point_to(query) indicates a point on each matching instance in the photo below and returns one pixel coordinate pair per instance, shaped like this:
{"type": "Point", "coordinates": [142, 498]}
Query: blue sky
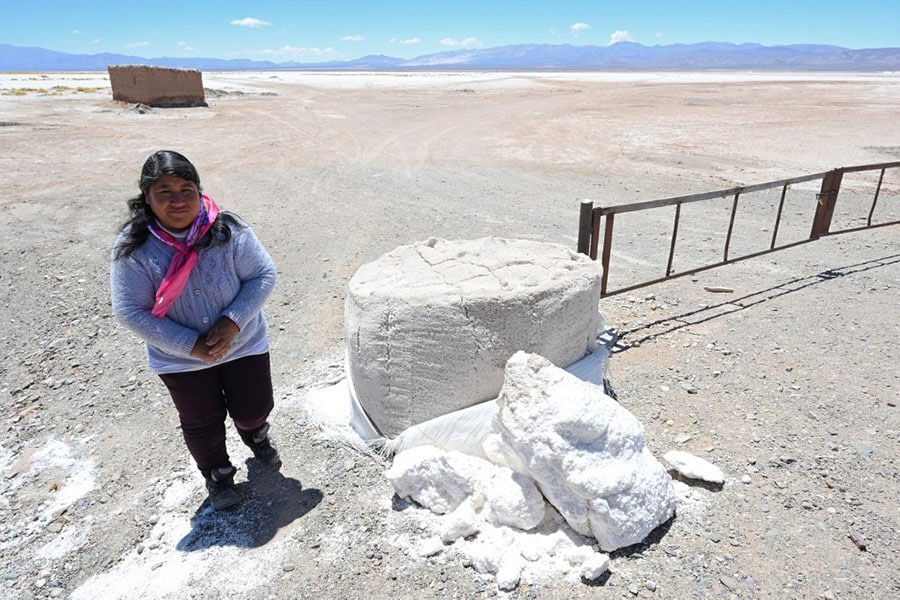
{"type": "Point", "coordinates": [340, 30]}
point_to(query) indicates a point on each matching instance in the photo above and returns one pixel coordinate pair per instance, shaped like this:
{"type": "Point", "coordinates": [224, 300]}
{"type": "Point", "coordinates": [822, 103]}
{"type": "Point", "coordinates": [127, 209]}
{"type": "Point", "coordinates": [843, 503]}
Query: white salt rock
{"type": "Point", "coordinates": [552, 541]}
{"type": "Point", "coordinates": [431, 477]}
{"type": "Point", "coordinates": [595, 566]}
{"type": "Point", "coordinates": [511, 498]}
{"type": "Point", "coordinates": [442, 481]}
{"type": "Point", "coordinates": [431, 546]}
{"type": "Point", "coordinates": [533, 552]}
{"type": "Point", "coordinates": [484, 559]}
{"type": "Point", "coordinates": [461, 523]}
{"type": "Point", "coordinates": [509, 572]}
{"type": "Point", "coordinates": [430, 325]}
{"type": "Point", "coordinates": [585, 452]}
{"type": "Point", "coordinates": [694, 467]}
{"type": "Point", "coordinates": [577, 555]}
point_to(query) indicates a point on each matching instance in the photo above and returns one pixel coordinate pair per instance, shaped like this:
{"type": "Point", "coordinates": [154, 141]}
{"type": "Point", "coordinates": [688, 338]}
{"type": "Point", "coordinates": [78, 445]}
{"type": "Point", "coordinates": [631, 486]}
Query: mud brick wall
{"type": "Point", "coordinates": [157, 86]}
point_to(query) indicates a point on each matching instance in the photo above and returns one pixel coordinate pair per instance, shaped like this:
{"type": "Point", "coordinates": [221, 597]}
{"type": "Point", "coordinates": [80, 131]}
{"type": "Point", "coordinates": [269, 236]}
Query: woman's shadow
{"type": "Point", "coordinates": [271, 501]}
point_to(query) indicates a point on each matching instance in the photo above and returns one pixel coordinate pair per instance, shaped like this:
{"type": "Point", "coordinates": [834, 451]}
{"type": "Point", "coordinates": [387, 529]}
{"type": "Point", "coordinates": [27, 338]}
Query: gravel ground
{"type": "Point", "coordinates": [788, 382]}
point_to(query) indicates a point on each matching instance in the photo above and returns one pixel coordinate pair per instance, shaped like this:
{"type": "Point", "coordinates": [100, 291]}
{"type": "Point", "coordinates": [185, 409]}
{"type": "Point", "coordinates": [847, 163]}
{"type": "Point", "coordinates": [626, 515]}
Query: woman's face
{"type": "Point", "coordinates": [174, 201]}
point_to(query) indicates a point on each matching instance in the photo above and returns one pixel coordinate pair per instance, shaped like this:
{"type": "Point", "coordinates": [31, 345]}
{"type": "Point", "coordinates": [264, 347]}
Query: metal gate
{"type": "Point", "coordinates": [823, 224]}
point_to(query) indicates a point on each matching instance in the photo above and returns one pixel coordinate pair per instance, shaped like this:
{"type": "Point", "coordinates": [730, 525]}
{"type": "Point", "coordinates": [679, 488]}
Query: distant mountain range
{"type": "Point", "coordinates": [623, 56]}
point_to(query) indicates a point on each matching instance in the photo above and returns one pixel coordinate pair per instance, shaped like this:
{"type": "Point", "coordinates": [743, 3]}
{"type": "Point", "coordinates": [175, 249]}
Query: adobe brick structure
{"type": "Point", "coordinates": [157, 86]}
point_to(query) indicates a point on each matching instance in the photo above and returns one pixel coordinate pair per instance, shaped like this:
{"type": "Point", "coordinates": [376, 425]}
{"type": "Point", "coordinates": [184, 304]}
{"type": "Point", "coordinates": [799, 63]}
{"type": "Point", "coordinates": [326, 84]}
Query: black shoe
{"type": "Point", "coordinates": [222, 491]}
{"type": "Point", "coordinates": [263, 448]}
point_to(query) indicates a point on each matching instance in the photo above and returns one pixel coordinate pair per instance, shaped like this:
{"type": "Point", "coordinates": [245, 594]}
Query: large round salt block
{"type": "Point", "coordinates": [431, 325]}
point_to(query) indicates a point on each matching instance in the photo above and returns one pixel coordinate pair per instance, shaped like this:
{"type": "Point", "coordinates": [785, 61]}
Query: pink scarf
{"type": "Point", "coordinates": [185, 255]}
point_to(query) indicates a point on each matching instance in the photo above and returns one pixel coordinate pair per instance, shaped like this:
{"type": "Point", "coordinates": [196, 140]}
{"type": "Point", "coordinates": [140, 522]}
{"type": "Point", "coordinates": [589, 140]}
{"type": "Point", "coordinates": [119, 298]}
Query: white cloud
{"type": "Point", "coordinates": [578, 28]}
{"type": "Point", "coordinates": [659, 36]}
{"type": "Point", "coordinates": [352, 38]}
{"type": "Point", "coordinates": [250, 22]}
{"type": "Point", "coordinates": [297, 51]}
{"type": "Point", "coordinates": [76, 31]}
{"type": "Point", "coordinates": [185, 46]}
{"type": "Point", "coordinates": [620, 36]}
{"type": "Point", "coordinates": [95, 41]}
{"type": "Point", "coordinates": [137, 44]}
{"type": "Point", "coordinates": [410, 41]}
{"type": "Point", "coordinates": [469, 42]}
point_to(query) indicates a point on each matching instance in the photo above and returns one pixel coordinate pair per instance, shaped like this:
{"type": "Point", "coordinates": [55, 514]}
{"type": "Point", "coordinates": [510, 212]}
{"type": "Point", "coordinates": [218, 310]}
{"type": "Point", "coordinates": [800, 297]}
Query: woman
{"type": "Point", "coordinates": [191, 282]}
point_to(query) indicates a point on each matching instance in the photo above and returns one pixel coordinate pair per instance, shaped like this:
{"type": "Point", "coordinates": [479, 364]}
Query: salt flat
{"type": "Point", "coordinates": [351, 79]}
{"type": "Point", "coordinates": [788, 384]}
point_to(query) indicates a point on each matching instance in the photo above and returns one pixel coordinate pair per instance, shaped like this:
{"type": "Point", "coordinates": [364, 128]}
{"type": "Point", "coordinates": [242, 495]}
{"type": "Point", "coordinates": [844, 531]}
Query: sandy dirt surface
{"type": "Point", "coordinates": [789, 382]}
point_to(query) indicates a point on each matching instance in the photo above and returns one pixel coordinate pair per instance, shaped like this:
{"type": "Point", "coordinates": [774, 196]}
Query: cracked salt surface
{"type": "Point", "coordinates": [491, 268]}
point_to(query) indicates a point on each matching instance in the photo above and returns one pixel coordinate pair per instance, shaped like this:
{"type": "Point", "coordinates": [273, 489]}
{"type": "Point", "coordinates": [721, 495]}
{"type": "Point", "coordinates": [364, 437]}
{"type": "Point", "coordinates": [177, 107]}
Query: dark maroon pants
{"type": "Point", "coordinates": [241, 388]}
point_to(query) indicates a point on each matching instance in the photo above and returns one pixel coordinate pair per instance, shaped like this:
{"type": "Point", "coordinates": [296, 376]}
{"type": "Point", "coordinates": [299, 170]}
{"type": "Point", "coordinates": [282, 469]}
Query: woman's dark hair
{"type": "Point", "coordinates": [160, 163]}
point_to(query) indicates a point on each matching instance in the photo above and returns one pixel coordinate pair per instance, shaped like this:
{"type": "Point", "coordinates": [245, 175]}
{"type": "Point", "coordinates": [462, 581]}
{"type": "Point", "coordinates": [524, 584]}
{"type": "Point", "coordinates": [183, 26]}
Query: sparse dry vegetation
{"type": "Point", "coordinates": [56, 90]}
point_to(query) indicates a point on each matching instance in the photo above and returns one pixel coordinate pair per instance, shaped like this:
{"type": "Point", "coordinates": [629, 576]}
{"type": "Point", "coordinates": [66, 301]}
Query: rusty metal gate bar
{"type": "Point", "coordinates": [731, 225]}
{"type": "Point", "coordinates": [590, 218]}
{"type": "Point", "coordinates": [607, 247]}
{"type": "Point", "coordinates": [875, 199]}
{"type": "Point", "coordinates": [674, 236]}
{"type": "Point", "coordinates": [784, 190]}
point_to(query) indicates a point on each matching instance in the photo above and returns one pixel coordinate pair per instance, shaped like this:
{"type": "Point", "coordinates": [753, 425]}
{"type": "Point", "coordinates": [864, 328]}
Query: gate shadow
{"type": "Point", "coordinates": [661, 327]}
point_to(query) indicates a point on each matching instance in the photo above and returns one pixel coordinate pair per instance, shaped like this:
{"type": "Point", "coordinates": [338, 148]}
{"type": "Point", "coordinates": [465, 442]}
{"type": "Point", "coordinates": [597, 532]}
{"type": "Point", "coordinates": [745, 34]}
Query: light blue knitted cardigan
{"type": "Point", "coordinates": [231, 279]}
